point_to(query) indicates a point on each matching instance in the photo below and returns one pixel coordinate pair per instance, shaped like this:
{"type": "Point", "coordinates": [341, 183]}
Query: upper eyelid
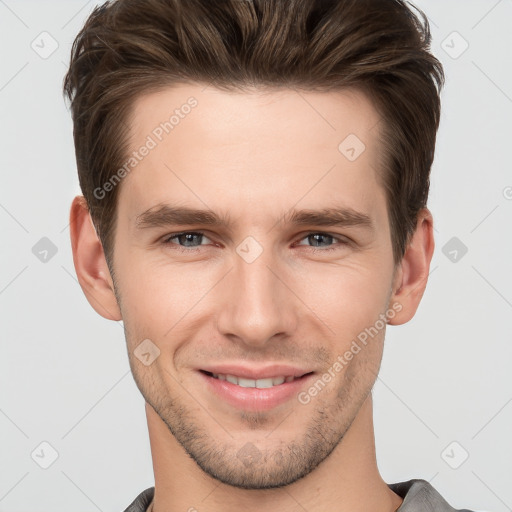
{"type": "Point", "coordinates": [340, 238]}
{"type": "Point", "coordinates": [174, 235]}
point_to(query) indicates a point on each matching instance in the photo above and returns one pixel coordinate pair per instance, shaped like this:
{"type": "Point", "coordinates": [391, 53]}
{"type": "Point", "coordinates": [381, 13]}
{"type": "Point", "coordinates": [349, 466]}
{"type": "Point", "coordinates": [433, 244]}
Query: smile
{"type": "Point", "coordinates": [253, 383]}
{"type": "Point", "coordinates": [255, 394]}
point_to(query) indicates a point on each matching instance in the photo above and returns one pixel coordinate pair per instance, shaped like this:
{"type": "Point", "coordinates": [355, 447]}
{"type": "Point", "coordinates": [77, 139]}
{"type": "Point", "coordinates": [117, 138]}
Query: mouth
{"type": "Point", "coordinates": [255, 394]}
{"type": "Point", "coordinates": [243, 382]}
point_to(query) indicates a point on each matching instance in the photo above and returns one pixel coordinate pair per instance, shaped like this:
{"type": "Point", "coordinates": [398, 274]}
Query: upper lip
{"type": "Point", "coordinates": [255, 373]}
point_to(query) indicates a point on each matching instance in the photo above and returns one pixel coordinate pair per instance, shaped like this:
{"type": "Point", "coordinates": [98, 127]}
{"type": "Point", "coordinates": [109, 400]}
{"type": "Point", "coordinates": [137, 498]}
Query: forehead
{"type": "Point", "coordinates": [277, 145]}
{"type": "Point", "coordinates": [231, 117]}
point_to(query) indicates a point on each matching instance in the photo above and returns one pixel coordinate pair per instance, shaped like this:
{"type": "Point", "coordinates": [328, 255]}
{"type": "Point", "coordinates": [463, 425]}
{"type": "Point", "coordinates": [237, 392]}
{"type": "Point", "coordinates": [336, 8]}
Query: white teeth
{"type": "Point", "coordinates": [246, 383]}
{"type": "Point", "coordinates": [254, 383]}
{"type": "Point", "coordinates": [232, 379]}
{"type": "Point", "coordinates": [265, 383]}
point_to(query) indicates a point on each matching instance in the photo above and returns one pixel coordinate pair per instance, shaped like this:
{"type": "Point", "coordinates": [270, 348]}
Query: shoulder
{"type": "Point", "coordinates": [420, 496]}
{"type": "Point", "coordinates": [142, 501]}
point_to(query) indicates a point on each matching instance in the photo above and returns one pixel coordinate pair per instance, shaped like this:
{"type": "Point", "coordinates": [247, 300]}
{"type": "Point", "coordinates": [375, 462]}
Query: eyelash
{"type": "Point", "coordinates": [168, 238]}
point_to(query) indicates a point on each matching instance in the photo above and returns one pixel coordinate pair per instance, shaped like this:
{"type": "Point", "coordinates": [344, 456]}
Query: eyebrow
{"type": "Point", "coordinates": [168, 215]}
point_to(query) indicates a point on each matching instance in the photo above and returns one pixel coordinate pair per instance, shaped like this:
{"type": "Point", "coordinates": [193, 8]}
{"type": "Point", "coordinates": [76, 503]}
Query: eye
{"type": "Point", "coordinates": [323, 238]}
{"type": "Point", "coordinates": [187, 238]}
{"type": "Point", "coordinates": [190, 241]}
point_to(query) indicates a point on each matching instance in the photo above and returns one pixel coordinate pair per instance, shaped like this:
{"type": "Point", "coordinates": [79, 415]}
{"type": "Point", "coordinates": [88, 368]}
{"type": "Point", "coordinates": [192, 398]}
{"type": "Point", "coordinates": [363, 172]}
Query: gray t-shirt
{"type": "Point", "coordinates": [418, 496]}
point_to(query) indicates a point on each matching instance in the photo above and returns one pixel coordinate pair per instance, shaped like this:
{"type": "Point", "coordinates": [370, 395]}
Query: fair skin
{"type": "Point", "coordinates": [256, 157]}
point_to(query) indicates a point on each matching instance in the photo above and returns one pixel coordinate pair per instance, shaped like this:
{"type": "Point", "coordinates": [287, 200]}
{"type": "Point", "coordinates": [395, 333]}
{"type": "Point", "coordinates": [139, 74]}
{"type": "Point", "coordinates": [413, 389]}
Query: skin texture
{"type": "Point", "coordinates": [255, 156]}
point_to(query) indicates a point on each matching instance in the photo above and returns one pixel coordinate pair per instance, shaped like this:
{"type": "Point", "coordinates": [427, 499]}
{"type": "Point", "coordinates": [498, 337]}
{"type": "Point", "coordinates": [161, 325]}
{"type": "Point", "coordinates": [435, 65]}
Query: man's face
{"type": "Point", "coordinates": [259, 296]}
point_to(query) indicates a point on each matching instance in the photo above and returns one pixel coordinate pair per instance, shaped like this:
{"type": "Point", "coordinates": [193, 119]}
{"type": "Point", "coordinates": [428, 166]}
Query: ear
{"type": "Point", "coordinates": [412, 273]}
{"type": "Point", "coordinates": [90, 263]}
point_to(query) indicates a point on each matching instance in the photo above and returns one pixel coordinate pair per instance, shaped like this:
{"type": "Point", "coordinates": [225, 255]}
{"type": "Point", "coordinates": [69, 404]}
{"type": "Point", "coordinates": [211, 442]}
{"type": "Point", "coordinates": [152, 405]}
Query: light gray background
{"type": "Point", "coordinates": [64, 371]}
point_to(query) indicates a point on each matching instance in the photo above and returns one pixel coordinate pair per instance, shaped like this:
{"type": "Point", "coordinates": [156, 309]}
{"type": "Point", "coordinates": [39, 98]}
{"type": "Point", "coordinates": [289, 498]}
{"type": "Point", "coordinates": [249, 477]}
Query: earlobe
{"type": "Point", "coordinates": [90, 263]}
{"type": "Point", "coordinates": [412, 276]}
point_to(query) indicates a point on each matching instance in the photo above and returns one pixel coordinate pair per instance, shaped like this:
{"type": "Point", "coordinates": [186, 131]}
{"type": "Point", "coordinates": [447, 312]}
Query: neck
{"type": "Point", "coordinates": [347, 480]}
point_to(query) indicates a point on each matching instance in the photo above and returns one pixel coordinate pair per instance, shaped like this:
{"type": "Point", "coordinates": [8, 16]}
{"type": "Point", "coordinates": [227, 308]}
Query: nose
{"type": "Point", "coordinates": [257, 302]}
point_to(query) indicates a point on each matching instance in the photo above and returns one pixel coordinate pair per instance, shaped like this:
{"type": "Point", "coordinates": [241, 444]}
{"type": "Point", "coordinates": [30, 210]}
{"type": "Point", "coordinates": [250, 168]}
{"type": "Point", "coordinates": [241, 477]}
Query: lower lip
{"type": "Point", "coordinates": [255, 399]}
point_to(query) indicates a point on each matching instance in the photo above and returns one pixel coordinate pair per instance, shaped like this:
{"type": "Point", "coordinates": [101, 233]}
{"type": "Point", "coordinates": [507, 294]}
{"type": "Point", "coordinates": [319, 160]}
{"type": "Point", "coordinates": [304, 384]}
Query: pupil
{"type": "Point", "coordinates": [315, 237]}
{"type": "Point", "coordinates": [189, 238]}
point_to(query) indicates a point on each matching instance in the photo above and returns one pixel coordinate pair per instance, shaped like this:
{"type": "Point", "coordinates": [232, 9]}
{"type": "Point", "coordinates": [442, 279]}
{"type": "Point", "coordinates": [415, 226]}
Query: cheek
{"type": "Point", "coordinates": [348, 298]}
{"type": "Point", "coordinates": [163, 303]}
{"type": "Point", "coordinates": [151, 291]}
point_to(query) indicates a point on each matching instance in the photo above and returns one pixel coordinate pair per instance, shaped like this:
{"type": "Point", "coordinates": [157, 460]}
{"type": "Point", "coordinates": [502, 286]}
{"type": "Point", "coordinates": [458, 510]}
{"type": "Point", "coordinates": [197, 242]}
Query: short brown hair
{"type": "Point", "coordinates": [131, 47]}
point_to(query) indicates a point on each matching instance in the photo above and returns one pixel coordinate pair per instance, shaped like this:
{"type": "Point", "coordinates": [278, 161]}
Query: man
{"type": "Point", "coordinates": [255, 176]}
